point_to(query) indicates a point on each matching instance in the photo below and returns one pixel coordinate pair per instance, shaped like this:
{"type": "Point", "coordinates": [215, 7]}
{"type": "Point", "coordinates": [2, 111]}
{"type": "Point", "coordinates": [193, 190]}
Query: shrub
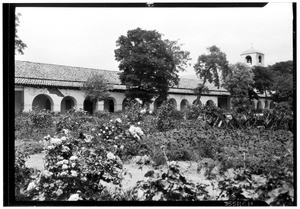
{"type": "Point", "coordinates": [22, 175]}
{"type": "Point", "coordinates": [167, 185]}
{"type": "Point", "coordinates": [40, 118]}
{"type": "Point", "coordinates": [74, 170]}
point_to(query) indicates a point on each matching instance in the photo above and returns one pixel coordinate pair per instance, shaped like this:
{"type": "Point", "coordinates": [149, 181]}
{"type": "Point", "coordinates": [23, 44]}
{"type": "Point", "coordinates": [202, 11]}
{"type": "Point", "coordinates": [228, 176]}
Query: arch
{"type": "Point", "coordinates": [174, 103]}
{"type": "Point", "coordinates": [109, 104]}
{"type": "Point", "coordinates": [249, 59]}
{"type": "Point", "coordinates": [183, 104]}
{"type": "Point", "coordinates": [89, 105]}
{"type": "Point", "coordinates": [259, 105]}
{"type": "Point", "coordinates": [260, 59]}
{"type": "Point", "coordinates": [210, 103]}
{"type": "Point", "coordinates": [266, 104]}
{"type": "Point", "coordinates": [272, 104]}
{"type": "Point", "coordinates": [195, 102]}
{"type": "Point", "coordinates": [67, 103]}
{"type": "Point", "coordinates": [43, 101]}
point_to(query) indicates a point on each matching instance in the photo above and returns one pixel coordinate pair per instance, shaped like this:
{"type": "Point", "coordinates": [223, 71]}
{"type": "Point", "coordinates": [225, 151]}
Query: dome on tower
{"type": "Point", "coordinates": [251, 51]}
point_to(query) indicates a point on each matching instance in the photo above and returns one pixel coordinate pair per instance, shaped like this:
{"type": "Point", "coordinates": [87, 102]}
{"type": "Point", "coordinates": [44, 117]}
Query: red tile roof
{"type": "Point", "coordinates": [41, 74]}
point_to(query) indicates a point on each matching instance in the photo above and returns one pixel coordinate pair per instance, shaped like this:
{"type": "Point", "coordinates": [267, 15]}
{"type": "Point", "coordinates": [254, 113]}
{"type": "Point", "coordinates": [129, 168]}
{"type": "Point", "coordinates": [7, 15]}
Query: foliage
{"type": "Point", "coordinates": [149, 65]}
{"type": "Point", "coordinates": [167, 116]}
{"type": "Point", "coordinates": [239, 83]}
{"type": "Point", "coordinates": [75, 167]}
{"type": "Point", "coordinates": [263, 79]}
{"type": "Point", "coordinates": [96, 87]}
{"type": "Point", "coordinates": [22, 174]}
{"type": "Point", "coordinates": [207, 68]}
{"type": "Point", "coordinates": [283, 82]}
{"type": "Point", "coordinates": [167, 186]}
{"type": "Point", "coordinates": [19, 44]}
{"type": "Point", "coordinates": [34, 125]}
{"type": "Point", "coordinates": [134, 111]}
{"type": "Point", "coordinates": [41, 118]}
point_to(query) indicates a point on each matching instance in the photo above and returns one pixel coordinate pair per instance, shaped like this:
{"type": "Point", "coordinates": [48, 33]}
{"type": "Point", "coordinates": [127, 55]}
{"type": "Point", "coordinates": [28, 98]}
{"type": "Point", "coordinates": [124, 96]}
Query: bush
{"type": "Point", "coordinates": [74, 170]}
{"type": "Point", "coordinates": [41, 118]}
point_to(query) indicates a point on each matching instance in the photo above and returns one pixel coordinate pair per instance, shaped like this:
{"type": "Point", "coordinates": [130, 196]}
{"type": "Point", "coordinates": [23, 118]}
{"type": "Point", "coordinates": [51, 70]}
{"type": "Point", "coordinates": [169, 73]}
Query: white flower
{"type": "Point", "coordinates": [106, 128]}
{"type": "Point", "coordinates": [31, 186]}
{"type": "Point", "coordinates": [93, 129]}
{"type": "Point", "coordinates": [65, 167]}
{"type": "Point", "coordinates": [73, 158]}
{"type": "Point", "coordinates": [59, 163]}
{"type": "Point", "coordinates": [50, 147]}
{"type": "Point", "coordinates": [47, 173]}
{"type": "Point", "coordinates": [138, 100]}
{"type": "Point", "coordinates": [136, 131]}
{"type": "Point", "coordinates": [88, 138]}
{"type": "Point", "coordinates": [73, 165]}
{"type": "Point", "coordinates": [66, 131]}
{"type": "Point", "coordinates": [55, 141]}
{"type": "Point", "coordinates": [63, 138]}
{"type": "Point", "coordinates": [65, 161]}
{"type": "Point", "coordinates": [63, 173]}
{"type": "Point", "coordinates": [143, 111]}
{"type": "Point", "coordinates": [118, 120]}
{"type": "Point", "coordinates": [150, 111]}
{"type": "Point", "coordinates": [110, 156]}
{"type": "Point", "coordinates": [65, 149]}
{"type": "Point", "coordinates": [74, 173]}
{"type": "Point", "coordinates": [74, 197]}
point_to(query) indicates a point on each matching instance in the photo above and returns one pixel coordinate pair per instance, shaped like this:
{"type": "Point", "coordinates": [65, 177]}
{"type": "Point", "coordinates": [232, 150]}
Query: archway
{"type": "Point", "coordinates": [67, 103]}
{"type": "Point", "coordinates": [42, 101]}
{"type": "Point", "coordinates": [109, 105]}
{"type": "Point", "coordinates": [174, 103]}
{"type": "Point", "coordinates": [249, 59]}
{"type": "Point", "coordinates": [195, 102]}
{"type": "Point", "coordinates": [183, 104]}
{"type": "Point", "coordinates": [210, 103]}
{"type": "Point", "coordinates": [259, 106]}
{"type": "Point", "coordinates": [266, 104]}
{"type": "Point", "coordinates": [89, 105]}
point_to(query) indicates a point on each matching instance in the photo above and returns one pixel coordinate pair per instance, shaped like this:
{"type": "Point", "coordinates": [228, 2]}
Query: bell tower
{"type": "Point", "coordinates": [253, 57]}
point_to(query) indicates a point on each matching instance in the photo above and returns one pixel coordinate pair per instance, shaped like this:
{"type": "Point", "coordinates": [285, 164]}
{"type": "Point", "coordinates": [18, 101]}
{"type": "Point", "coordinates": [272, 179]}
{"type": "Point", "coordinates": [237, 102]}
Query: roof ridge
{"type": "Point", "coordinates": [43, 63]}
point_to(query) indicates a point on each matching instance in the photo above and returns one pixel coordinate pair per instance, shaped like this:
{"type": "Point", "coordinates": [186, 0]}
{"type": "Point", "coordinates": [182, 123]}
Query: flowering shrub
{"type": "Point", "coordinates": [74, 169]}
{"type": "Point", "coordinates": [22, 174]}
{"type": "Point", "coordinates": [167, 185]}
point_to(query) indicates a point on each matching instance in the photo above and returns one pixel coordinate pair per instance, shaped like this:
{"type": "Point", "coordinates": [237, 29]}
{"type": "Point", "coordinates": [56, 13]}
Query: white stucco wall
{"type": "Point", "coordinates": [118, 97]}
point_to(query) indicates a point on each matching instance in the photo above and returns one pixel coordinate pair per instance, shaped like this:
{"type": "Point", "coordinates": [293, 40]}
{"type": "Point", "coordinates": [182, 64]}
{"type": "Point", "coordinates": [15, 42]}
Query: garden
{"type": "Point", "coordinates": [200, 154]}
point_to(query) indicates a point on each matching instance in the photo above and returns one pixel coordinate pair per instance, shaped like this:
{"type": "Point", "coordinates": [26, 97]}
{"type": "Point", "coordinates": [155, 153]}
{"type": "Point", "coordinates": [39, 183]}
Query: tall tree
{"type": "Point", "coordinates": [208, 67]}
{"type": "Point", "coordinates": [263, 79]}
{"type": "Point", "coordinates": [149, 65]}
{"type": "Point", "coordinates": [240, 85]}
{"type": "Point", "coordinates": [283, 83]}
{"type": "Point", "coordinates": [19, 44]}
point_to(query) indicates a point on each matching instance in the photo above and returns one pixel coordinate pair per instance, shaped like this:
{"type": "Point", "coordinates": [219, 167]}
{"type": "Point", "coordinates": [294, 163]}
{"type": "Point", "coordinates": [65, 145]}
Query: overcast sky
{"type": "Point", "coordinates": [86, 37]}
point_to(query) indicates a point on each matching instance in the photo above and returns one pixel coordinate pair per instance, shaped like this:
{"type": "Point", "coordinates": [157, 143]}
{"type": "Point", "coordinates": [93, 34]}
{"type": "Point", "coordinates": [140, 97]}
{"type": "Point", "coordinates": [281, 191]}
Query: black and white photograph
{"type": "Point", "coordinates": [152, 103]}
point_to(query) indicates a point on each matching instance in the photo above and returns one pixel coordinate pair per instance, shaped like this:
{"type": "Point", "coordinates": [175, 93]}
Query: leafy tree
{"type": "Point", "coordinates": [282, 87]}
{"type": "Point", "coordinates": [240, 84]}
{"type": "Point", "coordinates": [149, 65]}
{"type": "Point", "coordinates": [19, 44]}
{"type": "Point", "coordinates": [208, 68]}
{"type": "Point", "coordinates": [263, 79]}
{"type": "Point", "coordinates": [96, 87]}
